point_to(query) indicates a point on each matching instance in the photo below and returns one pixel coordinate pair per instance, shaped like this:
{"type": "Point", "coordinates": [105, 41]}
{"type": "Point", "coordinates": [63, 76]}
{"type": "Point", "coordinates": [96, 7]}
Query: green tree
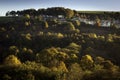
{"type": "Point", "coordinates": [7, 13]}
{"type": "Point", "coordinates": [13, 13]}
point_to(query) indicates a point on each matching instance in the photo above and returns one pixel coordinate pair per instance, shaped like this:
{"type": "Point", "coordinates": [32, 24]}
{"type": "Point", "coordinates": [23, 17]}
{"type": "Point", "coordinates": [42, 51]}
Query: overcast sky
{"type": "Point", "coordinates": [101, 5]}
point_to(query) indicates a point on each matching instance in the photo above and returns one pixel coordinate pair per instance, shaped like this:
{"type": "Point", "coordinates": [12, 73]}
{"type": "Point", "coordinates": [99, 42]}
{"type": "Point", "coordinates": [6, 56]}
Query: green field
{"type": "Point", "coordinates": [6, 19]}
{"type": "Point", "coordinates": [96, 12]}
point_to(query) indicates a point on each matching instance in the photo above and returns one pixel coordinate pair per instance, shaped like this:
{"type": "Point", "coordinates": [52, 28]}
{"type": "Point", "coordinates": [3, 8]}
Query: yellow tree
{"type": "Point", "coordinates": [98, 23]}
{"type": "Point", "coordinates": [68, 26]}
{"type": "Point", "coordinates": [12, 60]}
{"type": "Point", "coordinates": [69, 13]}
{"type": "Point", "coordinates": [76, 23]}
{"type": "Point", "coordinates": [87, 62]}
{"type": "Point", "coordinates": [60, 67]}
{"type": "Point", "coordinates": [27, 16]}
{"type": "Point", "coordinates": [13, 50]}
{"type": "Point", "coordinates": [45, 24]}
{"type": "Point", "coordinates": [75, 72]}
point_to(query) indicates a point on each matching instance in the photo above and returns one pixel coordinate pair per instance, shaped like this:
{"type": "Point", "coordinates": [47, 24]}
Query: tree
{"type": "Point", "coordinates": [98, 22]}
{"type": "Point", "coordinates": [99, 60]}
{"type": "Point", "coordinates": [12, 13]}
{"type": "Point", "coordinates": [28, 36]}
{"type": "Point", "coordinates": [27, 55]}
{"type": "Point", "coordinates": [69, 13]}
{"type": "Point", "coordinates": [47, 55]}
{"type": "Point", "coordinates": [60, 67]}
{"type": "Point", "coordinates": [76, 23]}
{"type": "Point", "coordinates": [92, 35]}
{"type": "Point", "coordinates": [27, 16]}
{"type": "Point", "coordinates": [19, 13]}
{"type": "Point", "coordinates": [41, 12]}
{"type": "Point", "coordinates": [59, 35]}
{"type": "Point", "coordinates": [86, 62]}
{"type": "Point", "coordinates": [74, 46]}
{"type": "Point", "coordinates": [12, 60]}
{"type": "Point", "coordinates": [6, 77]}
{"type": "Point", "coordinates": [110, 66]}
{"type": "Point", "coordinates": [31, 12]}
{"type": "Point", "coordinates": [45, 25]}
{"type": "Point", "coordinates": [7, 13]}
{"type": "Point", "coordinates": [62, 56]}
{"type": "Point", "coordinates": [75, 72]}
{"type": "Point", "coordinates": [29, 76]}
{"type": "Point", "coordinates": [68, 26]}
{"type": "Point", "coordinates": [13, 50]}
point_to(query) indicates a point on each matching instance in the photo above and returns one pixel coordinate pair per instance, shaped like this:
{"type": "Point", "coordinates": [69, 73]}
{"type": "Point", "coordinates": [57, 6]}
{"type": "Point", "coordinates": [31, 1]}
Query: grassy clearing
{"type": "Point", "coordinates": [5, 19]}
{"type": "Point", "coordinates": [96, 12]}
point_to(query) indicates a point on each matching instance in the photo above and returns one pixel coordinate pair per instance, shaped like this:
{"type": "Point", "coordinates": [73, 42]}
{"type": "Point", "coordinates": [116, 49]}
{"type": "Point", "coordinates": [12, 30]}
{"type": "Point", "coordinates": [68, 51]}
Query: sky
{"type": "Point", "coordinates": [90, 5]}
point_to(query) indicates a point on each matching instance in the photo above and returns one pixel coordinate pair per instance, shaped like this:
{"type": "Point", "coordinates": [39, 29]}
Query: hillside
{"type": "Point", "coordinates": [38, 46]}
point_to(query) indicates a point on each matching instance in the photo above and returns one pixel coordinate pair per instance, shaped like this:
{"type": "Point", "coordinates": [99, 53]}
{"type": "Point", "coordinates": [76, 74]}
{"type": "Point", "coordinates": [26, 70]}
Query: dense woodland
{"type": "Point", "coordinates": [40, 45]}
